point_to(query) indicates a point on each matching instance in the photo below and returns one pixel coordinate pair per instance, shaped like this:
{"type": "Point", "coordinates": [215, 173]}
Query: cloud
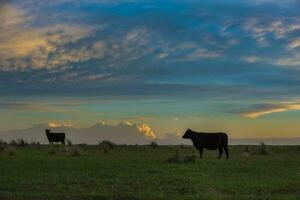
{"type": "Point", "coordinates": [30, 106]}
{"type": "Point", "coordinates": [42, 47]}
{"type": "Point", "coordinates": [187, 51]}
{"type": "Point", "coordinates": [59, 124]}
{"type": "Point", "coordinates": [279, 28]}
{"type": "Point", "coordinates": [120, 133]}
{"type": "Point", "coordinates": [294, 44]}
{"type": "Point", "coordinates": [201, 53]}
{"type": "Point", "coordinates": [251, 59]}
{"type": "Point", "coordinates": [272, 108]}
{"type": "Point", "coordinates": [190, 48]}
{"type": "Point", "coordinates": [146, 130]}
{"type": "Point", "coordinates": [11, 16]}
{"type": "Point", "coordinates": [290, 61]}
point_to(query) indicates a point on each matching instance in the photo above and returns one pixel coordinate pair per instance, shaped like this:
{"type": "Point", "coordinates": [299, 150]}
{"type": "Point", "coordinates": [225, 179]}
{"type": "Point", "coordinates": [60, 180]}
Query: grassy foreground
{"type": "Point", "coordinates": [142, 172]}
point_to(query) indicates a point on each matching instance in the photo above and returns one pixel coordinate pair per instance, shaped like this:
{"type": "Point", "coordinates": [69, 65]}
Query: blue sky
{"type": "Point", "coordinates": [210, 65]}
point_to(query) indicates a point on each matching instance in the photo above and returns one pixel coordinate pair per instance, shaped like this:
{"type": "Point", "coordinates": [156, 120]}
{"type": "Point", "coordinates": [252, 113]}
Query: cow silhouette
{"type": "Point", "coordinates": [55, 137]}
{"type": "Point", "coordinates": [211, 141]}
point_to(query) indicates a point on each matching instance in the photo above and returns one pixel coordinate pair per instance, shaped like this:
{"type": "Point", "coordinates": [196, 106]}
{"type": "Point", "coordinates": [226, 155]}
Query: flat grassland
{"type": "Point", "coordinates": [144, 172]}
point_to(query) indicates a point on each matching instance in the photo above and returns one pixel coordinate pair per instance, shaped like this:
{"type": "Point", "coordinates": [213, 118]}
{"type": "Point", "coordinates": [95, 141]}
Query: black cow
{"type": "Point", "coordinates": [55, 137]}
{"type": "Point", "coordinates": [211, 141]}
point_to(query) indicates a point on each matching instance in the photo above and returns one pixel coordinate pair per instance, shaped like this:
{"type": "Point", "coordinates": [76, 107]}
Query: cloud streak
{"type": "Point", "coordinates": [273, 108]}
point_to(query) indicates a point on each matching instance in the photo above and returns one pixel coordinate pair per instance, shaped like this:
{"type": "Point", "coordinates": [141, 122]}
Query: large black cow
{"type": "Point", "coordinates": [55, 137]}
{"type": "Point", "coordinates": [210, 141]}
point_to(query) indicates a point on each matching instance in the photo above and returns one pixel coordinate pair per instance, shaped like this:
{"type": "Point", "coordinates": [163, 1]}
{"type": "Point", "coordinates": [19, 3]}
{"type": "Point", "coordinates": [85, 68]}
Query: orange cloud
{"type": "Point", "coordinates": [19, 41]}
{"type": "Point", "coordinates": [146, 130]}
{"type": "Point", "coordinates": [280, 108]}
{"type": "Point", "coordinates": [58, 124]}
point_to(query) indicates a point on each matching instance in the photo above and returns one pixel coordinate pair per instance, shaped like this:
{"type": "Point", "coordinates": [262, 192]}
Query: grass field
{"type": "Point", "coordinates": [142, 172]}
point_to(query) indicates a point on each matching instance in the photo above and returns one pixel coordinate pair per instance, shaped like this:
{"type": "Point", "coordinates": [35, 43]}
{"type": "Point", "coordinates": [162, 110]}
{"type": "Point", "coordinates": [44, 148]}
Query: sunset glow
{"type": "Point", "coordinates": [164, 65]}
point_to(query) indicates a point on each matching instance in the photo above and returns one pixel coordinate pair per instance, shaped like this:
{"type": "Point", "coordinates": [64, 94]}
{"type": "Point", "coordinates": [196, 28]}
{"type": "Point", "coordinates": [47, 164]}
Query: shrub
{"type": "Point", "coordinates": [65, 149]}
{"type": "Point", "coordinates": [13, 142]}
{"type": "Point", "coordinates": [69, 142]}
{"type": "Point", "coordinates": [190, 159]}
{"type": "Point", "coordinates": [82, 145]}
{"type": "Point", "coordinates": [246, 149]}
{"type": "Point", "coordinates": [11, 151]}
{"type": "Point", "coordinates": [75, 152]}
{"type": "Point", "coordinates": [105, 150]}
{"type": "Point", "coordinates": [153, 144]}
{"type": "Point", "coordinates": [263, 149]}
{"type": "Point", "coordinates": [2, 145]}
{"type": "Point", "coordinates": [246, 152]}
{"type": "Point", "coordinates": [21, 143]}
{"type": "Point", "coordinates": [51, 151]}
{"type": "Point", "coordinates": [107, 144]}
{"type": "Point", "coordinates": [179, 158]}
{"type": "Point", "coordinates": [38, 145]}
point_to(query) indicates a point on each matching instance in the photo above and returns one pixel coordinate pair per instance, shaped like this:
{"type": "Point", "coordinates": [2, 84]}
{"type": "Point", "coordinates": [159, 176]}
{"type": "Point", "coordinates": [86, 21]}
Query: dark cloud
{"type": "Point", "coordinates": [207, 49]}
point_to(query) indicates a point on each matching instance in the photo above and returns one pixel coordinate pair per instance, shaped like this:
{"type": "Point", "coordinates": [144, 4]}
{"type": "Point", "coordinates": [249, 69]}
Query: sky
{"type": "Point", "coordinates": [209, 65]}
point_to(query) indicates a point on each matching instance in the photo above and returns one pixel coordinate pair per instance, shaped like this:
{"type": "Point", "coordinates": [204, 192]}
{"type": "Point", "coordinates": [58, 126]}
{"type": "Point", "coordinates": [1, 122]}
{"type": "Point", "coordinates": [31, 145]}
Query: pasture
{"type": "Point", "coordinates": [145, 172]}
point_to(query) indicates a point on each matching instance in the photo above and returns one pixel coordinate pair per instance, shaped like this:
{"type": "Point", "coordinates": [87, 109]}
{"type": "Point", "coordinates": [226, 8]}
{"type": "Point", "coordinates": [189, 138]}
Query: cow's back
{"type": "Point", "coordinates": [211, 140]}
{"type": "Point", "coordinates": [57, 137]}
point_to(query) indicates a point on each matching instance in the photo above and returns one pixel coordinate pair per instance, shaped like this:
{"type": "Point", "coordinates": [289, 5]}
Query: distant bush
{"type": "Point", "coordinates": [153, 144]}
{"type": "Point", "coordinates": [190, 159]}
{"type": "Point", "coordinates": [105, 149]}
{"type": "Point", "coordinates": [11, 151]}
{"type": "Point", "coordinates": [65, 149]}
{"type": "Point", "coordinates": [263, 149]}
{"type": "Point", "coordinates": [21, 143]}
{"type": "Point", "coordinates": [246, 149]}
{"type": "Point", "coordinates": [52, 151]}
{"type": "Point", "coordinates": [246, 152]}
{"type": "Point", "coordinates": [13, 142]}
{"type": "Point", "coordinates": [75, 152]}
{"type": "Point", "coordinates": [179, 158]}
{"type": "Point", "coordinates": [107, 144]}
{"type": "Point", "coordinates": [2, 145]}
{"type": "Point", "coordinates": [82, 145]}
{"type": "Point", "coordinates": [69, 142]}
{"type": "Point", "coordinates": [38, 145]}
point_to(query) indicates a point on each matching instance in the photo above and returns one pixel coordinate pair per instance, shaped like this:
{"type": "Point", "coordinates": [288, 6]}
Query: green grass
{"type": "Point", "coordinates": [142, 172]}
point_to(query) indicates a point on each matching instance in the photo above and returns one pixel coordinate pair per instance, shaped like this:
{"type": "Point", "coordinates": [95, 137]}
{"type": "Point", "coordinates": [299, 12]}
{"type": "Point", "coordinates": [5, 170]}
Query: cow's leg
{"type": "Point", "coordinates": [220, 152]}
{"type": "Point", "coordinates": [201, 151]}
{"type": "Point", "coordinates": [63, 142]}
{"type": "Point", "coordinates": [226, 151]}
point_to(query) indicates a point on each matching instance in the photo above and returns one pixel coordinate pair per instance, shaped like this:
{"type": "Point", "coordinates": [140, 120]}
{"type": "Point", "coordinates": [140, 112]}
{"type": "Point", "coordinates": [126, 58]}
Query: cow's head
{"type": "Point", "coordinates": [48, 130]}
{"type": "Point", "coordinates": [188, 134]}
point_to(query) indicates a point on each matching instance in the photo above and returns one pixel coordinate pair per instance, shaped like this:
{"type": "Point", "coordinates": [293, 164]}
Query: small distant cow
{"type": "Point", "coordinates": [211, 141]}
{"type": "Point", "coordinates": [55, 137]}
